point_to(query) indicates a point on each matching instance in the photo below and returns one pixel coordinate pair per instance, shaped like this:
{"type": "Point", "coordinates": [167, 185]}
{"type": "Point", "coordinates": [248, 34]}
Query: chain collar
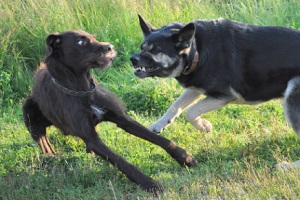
{"type": "Point", "coordinates": [73, 92]}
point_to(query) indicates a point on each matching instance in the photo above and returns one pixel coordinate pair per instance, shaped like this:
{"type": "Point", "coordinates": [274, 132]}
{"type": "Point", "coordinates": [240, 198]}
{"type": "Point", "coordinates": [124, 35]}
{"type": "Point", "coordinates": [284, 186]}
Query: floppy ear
{"type": "Point", "coordinates": [185, 36]}
{"type": "Point", "coordinates": [146, 27]}
{"type": "Point", "coordinates": [52, 41]}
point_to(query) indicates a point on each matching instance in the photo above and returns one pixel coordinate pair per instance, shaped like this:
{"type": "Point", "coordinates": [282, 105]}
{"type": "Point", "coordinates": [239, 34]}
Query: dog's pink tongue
{"type": "Point", "coordinates": [104, 60]}
{"type": "Point", "coordinates": [109, 57]}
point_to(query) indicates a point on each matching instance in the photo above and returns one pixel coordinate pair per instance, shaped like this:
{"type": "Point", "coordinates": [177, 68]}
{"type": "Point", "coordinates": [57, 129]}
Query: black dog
{"type": "Point", "coordinates": [227, 61]}
{"type": "Point", "coordinates": [66, 96]}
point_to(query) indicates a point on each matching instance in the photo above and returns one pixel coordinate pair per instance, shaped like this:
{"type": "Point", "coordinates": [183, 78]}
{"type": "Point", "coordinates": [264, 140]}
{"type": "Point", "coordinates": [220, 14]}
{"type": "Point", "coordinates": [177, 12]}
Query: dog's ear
{"type": "Point", "coordinates": [53, 40]}
{"type": "Point", "coordinates": [146, 27]}
{"type": "Point", "coordinates": [185, 36]}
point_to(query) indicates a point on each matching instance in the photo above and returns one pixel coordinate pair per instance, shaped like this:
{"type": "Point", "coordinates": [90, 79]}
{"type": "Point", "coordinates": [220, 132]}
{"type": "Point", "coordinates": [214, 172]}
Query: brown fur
{"type": "Point", "coordinates": [63, 95]}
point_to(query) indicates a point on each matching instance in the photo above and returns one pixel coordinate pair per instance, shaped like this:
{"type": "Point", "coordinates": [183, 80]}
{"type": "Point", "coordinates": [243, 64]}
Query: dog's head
{"type": "Point", "coordinates": [79, 51]}
{"type": "Point", "coordinates": [165, 51]}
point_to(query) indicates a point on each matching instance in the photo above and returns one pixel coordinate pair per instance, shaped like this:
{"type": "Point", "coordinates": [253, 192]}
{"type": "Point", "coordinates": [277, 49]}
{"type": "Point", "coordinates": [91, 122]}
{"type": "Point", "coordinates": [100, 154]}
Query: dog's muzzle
{"type": "Point", "coordinates": [135, 59]}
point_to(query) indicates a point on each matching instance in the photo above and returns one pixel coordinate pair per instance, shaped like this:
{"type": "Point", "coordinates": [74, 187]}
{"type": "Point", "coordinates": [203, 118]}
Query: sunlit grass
{"type": "Point", "coordinates": [235, 160]}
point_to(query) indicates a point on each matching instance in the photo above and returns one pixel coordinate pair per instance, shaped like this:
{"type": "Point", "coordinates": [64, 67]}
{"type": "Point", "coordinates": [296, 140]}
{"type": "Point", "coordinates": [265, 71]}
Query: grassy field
{"type": "Point", "coordinates": [235, 160]}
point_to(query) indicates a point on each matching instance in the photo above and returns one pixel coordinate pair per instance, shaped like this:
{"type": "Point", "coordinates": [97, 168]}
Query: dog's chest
{"type": "Point", "coordinates": [98, 112]}
{"type": "Point", "coordinates": [200, 90]}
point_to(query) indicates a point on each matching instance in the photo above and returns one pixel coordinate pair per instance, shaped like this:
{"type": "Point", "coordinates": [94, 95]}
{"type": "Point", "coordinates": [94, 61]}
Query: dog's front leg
{"type": "Point", "coordinates": [94, 144]}
{"type": "Point", "coordinates": [193, 114]}
{"type": "Point", "coordinates": [131, 126]}
{"type": "Point", "coordinates": [187, 98]}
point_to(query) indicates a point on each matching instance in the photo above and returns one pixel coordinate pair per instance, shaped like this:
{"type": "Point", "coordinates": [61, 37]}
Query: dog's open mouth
{"type": "Point", "coordinates": [106, 58]}
{"type": "Point", "coordinates": [143, 71]}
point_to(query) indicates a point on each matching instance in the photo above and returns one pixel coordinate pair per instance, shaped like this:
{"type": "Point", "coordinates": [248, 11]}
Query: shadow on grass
{"type": "Point", "coordinates": [77, 175]}
{"type": "Point", "coordinates": [266, 150]}
{"type": "Point", "coordinates": [64, 177]}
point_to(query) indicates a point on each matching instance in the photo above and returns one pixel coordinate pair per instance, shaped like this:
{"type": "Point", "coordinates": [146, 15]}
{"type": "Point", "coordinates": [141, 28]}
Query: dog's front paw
{"type": "Point", "coordinates": [202, 125]}
{"type": "Point", "coordinates": [152, 186]}
{"type": "Point", "coordinates": [185, 159]}
{"type": "Point", "coordinates": [158, 127]}
{"type": "Point", "coordinates": [181, 155]}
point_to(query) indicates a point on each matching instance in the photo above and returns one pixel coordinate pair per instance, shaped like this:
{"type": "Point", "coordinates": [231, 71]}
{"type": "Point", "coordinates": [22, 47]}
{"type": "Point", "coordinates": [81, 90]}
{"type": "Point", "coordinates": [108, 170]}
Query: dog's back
{"type": "Point", "coordinates": [256, 61]}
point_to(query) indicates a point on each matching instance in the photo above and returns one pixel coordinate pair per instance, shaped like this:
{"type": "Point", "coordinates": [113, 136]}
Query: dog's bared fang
{"type": "Point", "coordinates": [225, 60]}
{"type": "Point", "coordinates": [66, 96]}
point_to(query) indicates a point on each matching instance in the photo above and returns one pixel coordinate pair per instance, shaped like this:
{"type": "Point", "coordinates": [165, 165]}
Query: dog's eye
{"type": "Point", "coordinates": [81, 41]}
{"type": "Point", "coordinates": [155, 50]}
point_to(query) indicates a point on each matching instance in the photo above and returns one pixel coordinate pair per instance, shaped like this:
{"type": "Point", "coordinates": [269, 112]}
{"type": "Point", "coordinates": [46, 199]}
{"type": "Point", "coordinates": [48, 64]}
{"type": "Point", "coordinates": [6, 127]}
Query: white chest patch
{"type": "Point", "coordinates": [99, 112]}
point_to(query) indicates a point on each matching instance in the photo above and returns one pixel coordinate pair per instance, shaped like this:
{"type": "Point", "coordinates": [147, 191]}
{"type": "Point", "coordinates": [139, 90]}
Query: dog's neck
{"type": "Point", "coordinates": [75, 93]}
{"type": "Point", "coordinates": [193, 59]}
{"type": "Point", "coordinates": [192, 67]}
{"type": "Point", "coordinates": [72, 85]}
{"type": "Point", "coordinates": [75, 83]}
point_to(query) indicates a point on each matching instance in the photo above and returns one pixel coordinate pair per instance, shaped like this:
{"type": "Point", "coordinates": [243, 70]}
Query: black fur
{"type": "Point", "coordinates": [256, 61]}
{"type": "Point", "coordinates": [238, 63]}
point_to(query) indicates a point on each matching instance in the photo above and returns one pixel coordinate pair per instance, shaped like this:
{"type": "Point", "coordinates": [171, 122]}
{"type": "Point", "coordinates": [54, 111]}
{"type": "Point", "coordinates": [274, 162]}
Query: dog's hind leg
{"type": "Point", "coordinates": [291, 105]}
{"type": "Point", "coordinates": [193, 114]}
{"type": "Point", "coordinates": [36, 124]}
{"type": "Point", "coordinates": [187, 98]}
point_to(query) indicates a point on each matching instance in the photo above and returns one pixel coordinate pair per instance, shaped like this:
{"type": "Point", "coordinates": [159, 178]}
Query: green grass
{"type": "Point", "coordinates": [235, 160]}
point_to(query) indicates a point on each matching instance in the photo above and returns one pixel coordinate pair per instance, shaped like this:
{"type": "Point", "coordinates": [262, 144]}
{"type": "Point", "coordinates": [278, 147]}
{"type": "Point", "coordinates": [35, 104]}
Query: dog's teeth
{"type": "Point", "coordinates": [143, 69]}
{"type": "Point", "coordinates": [138, 69]}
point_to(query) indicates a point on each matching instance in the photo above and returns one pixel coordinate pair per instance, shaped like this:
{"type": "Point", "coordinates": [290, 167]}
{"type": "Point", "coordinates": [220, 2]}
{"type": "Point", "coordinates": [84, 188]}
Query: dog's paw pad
{"type": "Point", "coordinates": [157, 128]}
{"type": "Point", "coordinates": [154, 129]}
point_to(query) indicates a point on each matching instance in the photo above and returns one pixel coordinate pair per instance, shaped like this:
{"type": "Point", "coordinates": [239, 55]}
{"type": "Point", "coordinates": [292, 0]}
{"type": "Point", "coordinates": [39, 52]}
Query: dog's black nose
{"type": "Point", "coordinates": [105, 46]}
{"type": "Point", "coordinates": [108, 47]}
{"type": "Point", "coordinates": [134, 59]}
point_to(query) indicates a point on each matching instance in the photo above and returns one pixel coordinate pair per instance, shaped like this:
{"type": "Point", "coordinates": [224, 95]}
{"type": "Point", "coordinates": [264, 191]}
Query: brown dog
{"type": "Point", "coordinates": [66, 96]}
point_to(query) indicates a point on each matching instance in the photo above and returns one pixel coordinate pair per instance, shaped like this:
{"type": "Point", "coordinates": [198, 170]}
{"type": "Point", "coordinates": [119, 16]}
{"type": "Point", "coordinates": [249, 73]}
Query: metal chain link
{"type": "Point", "coordinates": [73, 92]}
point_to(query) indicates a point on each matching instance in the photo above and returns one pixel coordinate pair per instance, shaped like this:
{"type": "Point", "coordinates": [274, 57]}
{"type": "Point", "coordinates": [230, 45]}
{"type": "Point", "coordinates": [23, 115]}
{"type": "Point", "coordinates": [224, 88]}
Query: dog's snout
{"type": "Point", "coordinates": [134, 59]}
{"type": "Point", "coordinates": [109, 47]}
{"type": "Point", "coordinates": [106, 46]}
